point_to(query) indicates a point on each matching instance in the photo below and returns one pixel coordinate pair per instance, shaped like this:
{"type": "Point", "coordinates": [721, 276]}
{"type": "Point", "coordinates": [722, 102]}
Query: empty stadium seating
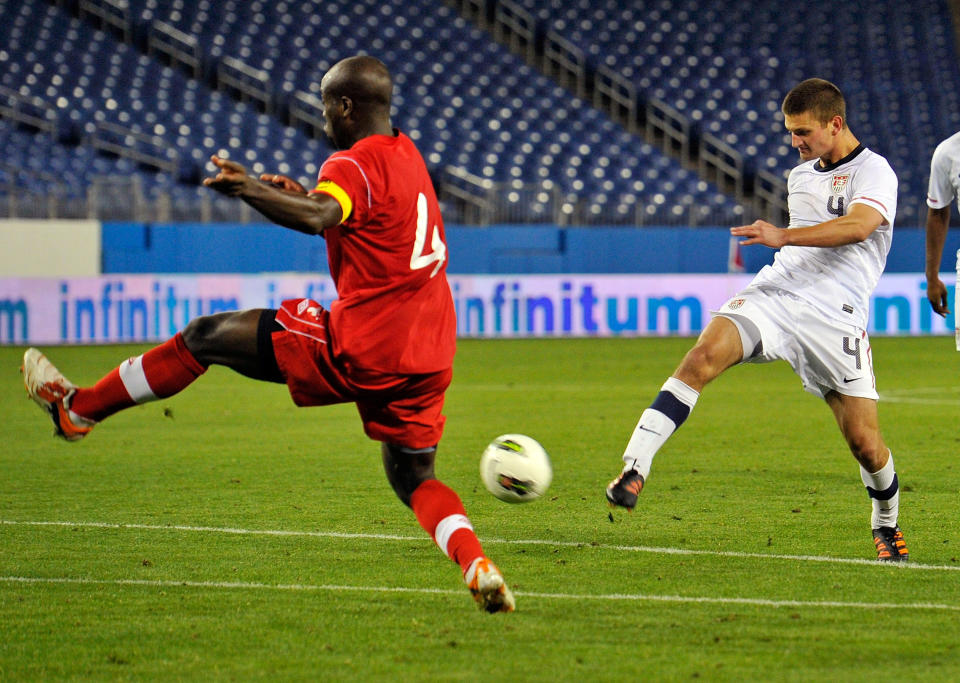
{"type": "Point", "coordinates": [728, 65]}
{"type": "Point", "coordinates": [469, 103]}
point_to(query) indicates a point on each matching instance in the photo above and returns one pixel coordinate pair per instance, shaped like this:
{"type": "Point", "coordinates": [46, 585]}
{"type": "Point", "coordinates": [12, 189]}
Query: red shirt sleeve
{"type": "Point", "coordinates": [346, 174]}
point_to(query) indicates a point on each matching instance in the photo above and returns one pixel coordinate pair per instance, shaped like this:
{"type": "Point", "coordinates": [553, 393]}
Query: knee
{"type": "Point", "coordinates": [868, 448]}
{"type": "Point", "coordinates": [200, 333]}
{"type": "Point", "coordinates": [718, 347]}
{"type": "Point", "coordinates": [408, 482]}
{"type": "Point", "coordinates": [701, 364]}
{"type": "Point", "coordinates": [196, 331]}
{"type": "Point", "coordinates": [406, 470]}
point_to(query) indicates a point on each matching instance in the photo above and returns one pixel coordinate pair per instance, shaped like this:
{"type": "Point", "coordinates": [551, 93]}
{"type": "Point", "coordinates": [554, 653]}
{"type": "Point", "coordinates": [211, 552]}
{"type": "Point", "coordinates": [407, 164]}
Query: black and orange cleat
{"type": "Point", "coordinates": [890, 544]}
{"type": "Point", "coordinates": [624, 490]}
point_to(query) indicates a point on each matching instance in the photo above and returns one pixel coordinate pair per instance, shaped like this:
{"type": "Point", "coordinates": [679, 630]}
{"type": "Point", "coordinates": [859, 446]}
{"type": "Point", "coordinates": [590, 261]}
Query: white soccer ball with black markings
{"type": "Point", "coordinates": [516, 468]}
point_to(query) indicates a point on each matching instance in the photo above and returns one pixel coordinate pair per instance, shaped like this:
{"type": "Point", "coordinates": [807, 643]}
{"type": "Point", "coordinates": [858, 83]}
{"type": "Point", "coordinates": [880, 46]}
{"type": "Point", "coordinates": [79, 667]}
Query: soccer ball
{"type": "Point", "coordinates": [515, 468]}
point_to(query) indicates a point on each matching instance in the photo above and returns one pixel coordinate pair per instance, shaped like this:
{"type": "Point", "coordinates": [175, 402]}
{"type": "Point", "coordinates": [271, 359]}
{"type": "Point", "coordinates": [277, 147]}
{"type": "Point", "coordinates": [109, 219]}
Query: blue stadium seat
{"type": "Point", "coordinates": [472, 104]}
{"type": "Point", "coordinates": [727, 68]}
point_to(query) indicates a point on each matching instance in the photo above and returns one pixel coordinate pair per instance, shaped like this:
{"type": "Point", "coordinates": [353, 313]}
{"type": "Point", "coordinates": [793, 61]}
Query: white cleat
{"type": "Point", "coordinates": [52, 391]}
{"type": "Point", "coordinates": [488, 587]}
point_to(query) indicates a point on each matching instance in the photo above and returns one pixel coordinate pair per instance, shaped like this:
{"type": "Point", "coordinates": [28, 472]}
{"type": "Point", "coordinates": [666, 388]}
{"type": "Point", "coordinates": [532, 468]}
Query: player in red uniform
{"type": "Point", "coordinates": [387, 342]}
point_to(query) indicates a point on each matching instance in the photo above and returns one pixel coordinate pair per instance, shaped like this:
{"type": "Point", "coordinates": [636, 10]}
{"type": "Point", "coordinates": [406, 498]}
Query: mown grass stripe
{"type": "Point", "coordinates": [638, 597]}
{"type": "Point", "coordinates": [534, 541]}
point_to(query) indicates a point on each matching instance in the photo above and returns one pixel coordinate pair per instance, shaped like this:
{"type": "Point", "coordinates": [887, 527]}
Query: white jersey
{"type": "Point", "coordinates": [838, 281]}
{"type": "Point", "coordinates": [945, 173]}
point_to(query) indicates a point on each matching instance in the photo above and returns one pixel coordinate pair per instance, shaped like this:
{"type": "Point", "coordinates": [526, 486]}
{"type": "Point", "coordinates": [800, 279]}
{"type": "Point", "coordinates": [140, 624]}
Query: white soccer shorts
{"type": "Point", "coordinates": [826, 354]}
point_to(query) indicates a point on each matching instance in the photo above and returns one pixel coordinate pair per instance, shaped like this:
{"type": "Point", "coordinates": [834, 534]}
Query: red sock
{"type": "Point", "coordinates": [441, 514]}
{"type": "Point", "coordinates": [161, 372]}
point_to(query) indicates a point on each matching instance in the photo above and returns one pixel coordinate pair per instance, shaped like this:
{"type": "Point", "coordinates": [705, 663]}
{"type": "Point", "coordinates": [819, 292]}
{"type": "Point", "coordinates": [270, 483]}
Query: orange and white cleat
{"type": "Point", "coordinates": [52, 391]}
{"type": "Point", "coordinates": [488, 588]}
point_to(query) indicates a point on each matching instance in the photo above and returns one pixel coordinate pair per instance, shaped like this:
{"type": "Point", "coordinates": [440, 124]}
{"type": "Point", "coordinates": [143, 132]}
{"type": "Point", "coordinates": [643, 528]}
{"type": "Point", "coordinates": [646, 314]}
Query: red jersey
{"type": "Point", "coordinates": [388, 259]}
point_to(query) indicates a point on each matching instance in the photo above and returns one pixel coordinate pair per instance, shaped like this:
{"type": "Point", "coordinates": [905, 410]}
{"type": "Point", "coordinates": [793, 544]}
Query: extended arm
{"type": "Point", "coordinates": [284, 203]}
{"type": "Point", "coordinates": [938, 221]}
{"type": "Point", "coordinates": [854, 227]}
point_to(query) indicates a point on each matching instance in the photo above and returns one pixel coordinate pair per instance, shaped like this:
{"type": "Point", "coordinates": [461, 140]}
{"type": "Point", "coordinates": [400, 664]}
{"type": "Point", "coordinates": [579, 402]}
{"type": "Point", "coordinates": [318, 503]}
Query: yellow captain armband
{"type": "Point", "coordinates": [343, 199]}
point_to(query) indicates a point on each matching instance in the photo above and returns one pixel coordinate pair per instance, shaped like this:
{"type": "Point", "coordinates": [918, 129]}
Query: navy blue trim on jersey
{"type": "Point", "coordinates": [887, 494]}
{"type": "Point", "coordinates": [671, 406]}
{"type": "Point", "coordinates": [829, 167]}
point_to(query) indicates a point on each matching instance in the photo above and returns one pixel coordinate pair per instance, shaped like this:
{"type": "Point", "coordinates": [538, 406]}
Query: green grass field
{"type": "Point", "coordinates": [225, 534]}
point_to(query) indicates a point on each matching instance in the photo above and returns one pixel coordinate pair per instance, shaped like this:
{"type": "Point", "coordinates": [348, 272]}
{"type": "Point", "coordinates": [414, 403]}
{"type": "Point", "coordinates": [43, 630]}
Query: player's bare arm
{"type": "Point", "coordinates": [279, 201]}
{"type": "Point", "coordinates": [938, 221]}
{"type": "Point", "coordinates": [854, 227]}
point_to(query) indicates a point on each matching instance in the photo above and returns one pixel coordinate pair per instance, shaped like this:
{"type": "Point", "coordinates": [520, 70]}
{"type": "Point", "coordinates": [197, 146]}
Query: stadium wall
{"type": "Point", "coordinates": [503, 249]}
{"type": "Point", "coordinates": [41, 247]}
{"type": "Point", "coordinates": [511, 281]}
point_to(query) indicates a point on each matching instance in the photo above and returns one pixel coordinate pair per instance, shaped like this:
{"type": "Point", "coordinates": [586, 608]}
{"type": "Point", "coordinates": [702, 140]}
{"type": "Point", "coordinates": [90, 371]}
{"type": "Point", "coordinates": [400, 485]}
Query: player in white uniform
{"type": "Point", "coordinates": [944, 188]}
{"type": "Point", "coordinates": [809, 308]}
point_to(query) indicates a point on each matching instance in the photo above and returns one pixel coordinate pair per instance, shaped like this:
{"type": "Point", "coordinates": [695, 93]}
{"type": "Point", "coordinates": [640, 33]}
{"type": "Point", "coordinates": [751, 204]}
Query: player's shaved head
{"type": "Point", "coordinates": [366, 80]}
{"type": "Point", "coordinates": [356, 100]}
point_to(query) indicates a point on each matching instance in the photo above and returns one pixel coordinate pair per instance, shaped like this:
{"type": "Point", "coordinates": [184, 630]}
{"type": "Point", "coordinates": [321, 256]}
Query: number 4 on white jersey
{"type": "Point", "coordinates": [419, 259]}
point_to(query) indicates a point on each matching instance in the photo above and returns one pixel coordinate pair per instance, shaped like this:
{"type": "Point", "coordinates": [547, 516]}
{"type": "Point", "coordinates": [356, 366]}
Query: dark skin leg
{"type": "Point", "coordinates": [228, 339]}
{"type": "Point", "coordinates": [405, 470]}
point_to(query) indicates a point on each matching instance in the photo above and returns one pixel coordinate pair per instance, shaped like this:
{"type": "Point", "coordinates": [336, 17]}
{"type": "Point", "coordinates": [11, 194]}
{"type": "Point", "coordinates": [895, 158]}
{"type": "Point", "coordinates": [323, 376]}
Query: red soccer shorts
{"type": "Point", "coordinates": [399, 409]}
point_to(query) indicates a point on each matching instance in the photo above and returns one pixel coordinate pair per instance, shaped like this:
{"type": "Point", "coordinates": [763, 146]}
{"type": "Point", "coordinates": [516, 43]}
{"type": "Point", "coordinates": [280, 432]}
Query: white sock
{"type": "Point", "coordinates": [884, 490]}
{"type": "Point", "coordinates": [667, 412]}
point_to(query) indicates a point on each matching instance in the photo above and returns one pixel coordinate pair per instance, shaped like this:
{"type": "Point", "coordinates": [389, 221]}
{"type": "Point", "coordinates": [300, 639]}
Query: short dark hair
{"type": "Point", "coordinates": [822, 98]}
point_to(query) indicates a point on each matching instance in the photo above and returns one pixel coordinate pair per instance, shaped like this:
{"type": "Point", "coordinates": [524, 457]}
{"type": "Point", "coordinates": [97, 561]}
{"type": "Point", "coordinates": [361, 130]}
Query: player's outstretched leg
{"type": "Point", "coordinates": [719, 347]}
{"type": "Point", "coordinates": [53, 393]}
{"type": "Point", "coordinates": [159, 373]}
{"type": "Point", "coordinates": [440, 512]}
{"type": "Point", "coordinates": [667, 412]}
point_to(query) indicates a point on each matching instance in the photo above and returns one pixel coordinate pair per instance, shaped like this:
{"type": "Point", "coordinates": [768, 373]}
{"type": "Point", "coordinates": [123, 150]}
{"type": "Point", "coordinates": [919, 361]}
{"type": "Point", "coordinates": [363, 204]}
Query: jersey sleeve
{"type": "Point", "coordinates": [343, 199]}
{"type": "Point", "coordinates": [877, 187]}
{"type": "Point", "coordinates": [343, 179]}
{"type": "Point", "coordinates": [940, 190]}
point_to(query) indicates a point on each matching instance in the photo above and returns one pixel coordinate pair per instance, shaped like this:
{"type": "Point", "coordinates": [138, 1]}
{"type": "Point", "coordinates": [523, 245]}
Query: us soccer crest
{"type": "Point", "coordinates": [840, 183]}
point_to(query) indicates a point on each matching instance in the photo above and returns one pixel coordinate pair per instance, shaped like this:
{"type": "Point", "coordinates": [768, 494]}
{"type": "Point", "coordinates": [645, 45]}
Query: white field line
{"type": "Point", "coordinates": [924, 390]}
{"type": "Point", "coordinates": [910, 566]}
{"type": "Point", "coordinates": [936, 396]}
{"type": "Point", "coordinates": [939, 396]}
{"type": "Point", "coordinates": [639, 597]}
{"type": "Point", "coordinates": [885, 398]}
